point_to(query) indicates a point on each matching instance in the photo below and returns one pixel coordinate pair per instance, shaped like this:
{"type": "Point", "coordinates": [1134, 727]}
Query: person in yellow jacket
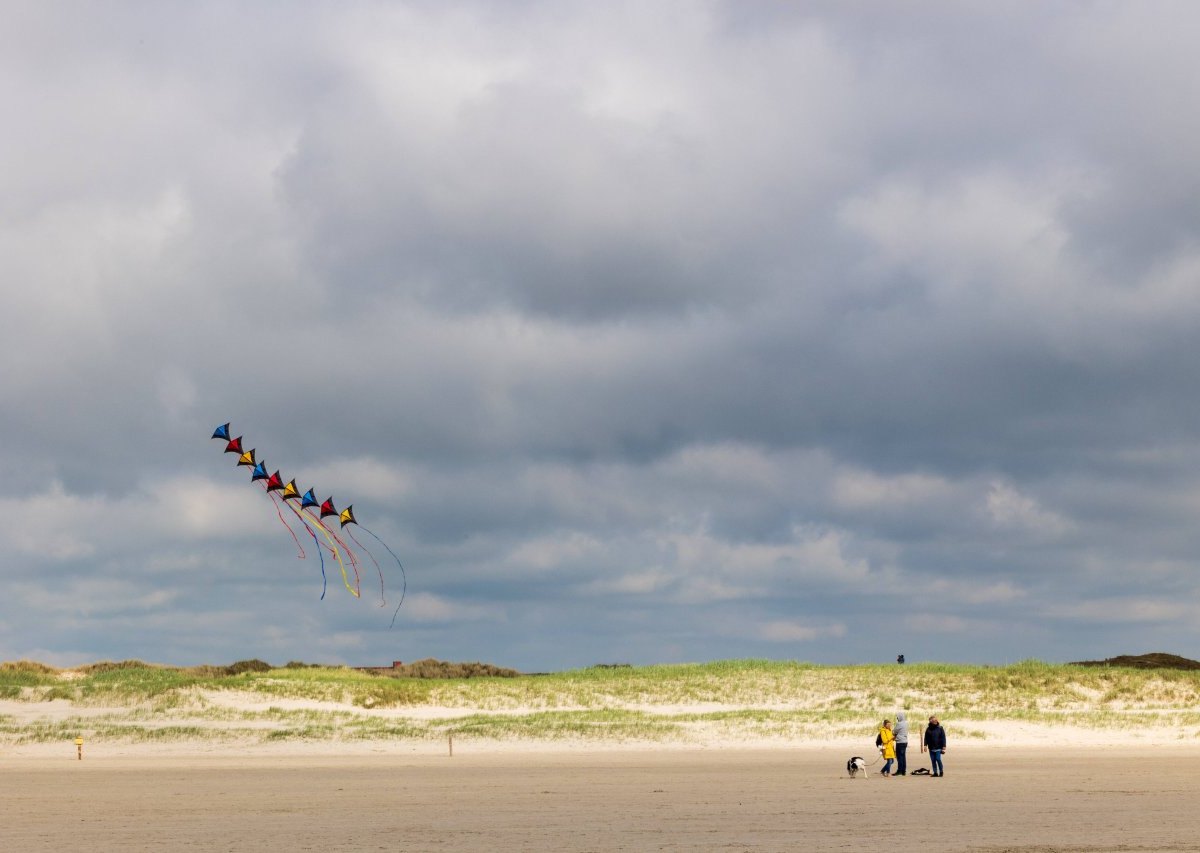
{"type": "Point", "coordinates": [887, 745]}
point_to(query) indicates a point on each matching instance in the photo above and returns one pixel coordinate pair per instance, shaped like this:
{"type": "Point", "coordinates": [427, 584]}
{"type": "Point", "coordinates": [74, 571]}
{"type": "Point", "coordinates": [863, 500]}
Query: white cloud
{"type": "Point", "coordinates": [992, 230]}
{"type": "Point", "coordinates": [365, 478]}
{"type": "Point", "coordinates": [949, 592]}
{"type": "Point", "coordinates": [1008, 509]}
{"type": "Point", "coordinates": [426, 608]}
{"type": "Point", "coordinates": [551, 552]}
{"type": "Point", "coordinates": [936, 623]}
{"type": "Point", "coordinates": [646, 582]}
{"type": "Point", "coordinates": [810, 554]}
{"type": "Point", "coordinates": [858, 489]}
{"type": "Point", "coordinates": [783, 631]}
{"type": "Point", "coordinates": [52, 524]}
{"type": "Point", "coordinates": [1132, 610]}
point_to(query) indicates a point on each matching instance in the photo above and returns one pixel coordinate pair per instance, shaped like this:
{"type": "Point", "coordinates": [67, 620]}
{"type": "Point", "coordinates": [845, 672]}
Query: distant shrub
{"type": "Point", "coordinates": [28, 666]}
{"type": "Point", "coordinates": [432, 668]}
{"type": "Point", "coordinates": [252, 665]}
{"type": "Point", "coordinates": [206, 670]}
{"type": "Point", "coordinates": [1154, 660]}
{"type": "Point", "coordinates": [111, 666]}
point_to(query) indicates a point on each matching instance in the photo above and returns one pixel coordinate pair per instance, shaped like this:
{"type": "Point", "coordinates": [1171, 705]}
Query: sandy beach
{"type": "Point", "coordinates": [1016, 800]}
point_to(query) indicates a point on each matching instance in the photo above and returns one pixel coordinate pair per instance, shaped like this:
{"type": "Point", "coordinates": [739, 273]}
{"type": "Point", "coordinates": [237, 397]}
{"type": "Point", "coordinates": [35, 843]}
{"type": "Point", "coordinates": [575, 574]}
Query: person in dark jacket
{"type": "Point", "coordinates": [935, 742]}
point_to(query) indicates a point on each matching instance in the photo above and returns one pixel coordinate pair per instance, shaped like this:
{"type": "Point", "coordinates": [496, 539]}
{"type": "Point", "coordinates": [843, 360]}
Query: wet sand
{"type": "Point", "coordinates": [992, 800]}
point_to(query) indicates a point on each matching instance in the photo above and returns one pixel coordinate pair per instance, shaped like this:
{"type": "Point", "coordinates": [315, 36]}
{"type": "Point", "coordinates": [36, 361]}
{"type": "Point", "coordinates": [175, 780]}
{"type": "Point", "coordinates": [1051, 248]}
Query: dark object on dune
{"type": "Point", "coordinates": [1154, 660]}
{"type": "Point", "coordinates": [433, 668]}
{"type": "Point", "coordinates": [899, 658]}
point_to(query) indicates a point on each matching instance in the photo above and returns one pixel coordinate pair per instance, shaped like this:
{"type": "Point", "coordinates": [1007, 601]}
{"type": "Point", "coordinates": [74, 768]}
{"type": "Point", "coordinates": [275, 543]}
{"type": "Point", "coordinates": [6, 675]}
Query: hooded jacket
{"type": "Point", "coordinates": [935, 737]}
{"type": "Point", "coordinates": [901, 730]}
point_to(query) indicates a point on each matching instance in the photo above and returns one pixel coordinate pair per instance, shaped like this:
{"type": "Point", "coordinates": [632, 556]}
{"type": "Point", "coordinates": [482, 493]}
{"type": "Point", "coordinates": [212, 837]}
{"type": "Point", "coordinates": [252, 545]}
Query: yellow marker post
{"type": "Point", "coordinates": [79, 747]}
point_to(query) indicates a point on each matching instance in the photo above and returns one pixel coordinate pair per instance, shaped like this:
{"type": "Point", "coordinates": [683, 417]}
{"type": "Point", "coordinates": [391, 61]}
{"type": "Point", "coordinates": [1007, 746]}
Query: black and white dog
{"type": "Point", "coordinates": [857, 765]}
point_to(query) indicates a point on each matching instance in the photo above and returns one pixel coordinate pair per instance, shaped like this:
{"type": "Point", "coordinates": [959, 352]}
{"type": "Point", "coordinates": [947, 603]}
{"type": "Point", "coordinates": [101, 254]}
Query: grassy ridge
{"type": "Point", "coordinates": [137, 701]}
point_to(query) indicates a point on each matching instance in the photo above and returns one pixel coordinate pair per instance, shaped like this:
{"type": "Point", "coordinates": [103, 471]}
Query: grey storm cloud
{"type": "Point", "coordinates": [648, 332]}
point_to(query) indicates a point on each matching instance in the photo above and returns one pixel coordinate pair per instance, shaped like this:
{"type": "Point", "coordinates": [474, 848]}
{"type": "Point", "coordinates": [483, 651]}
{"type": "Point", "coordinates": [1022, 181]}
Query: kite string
{"type": "Point", "coordinates": [403, 574]}
{"type": "Point", "coordinates": [367, 551]}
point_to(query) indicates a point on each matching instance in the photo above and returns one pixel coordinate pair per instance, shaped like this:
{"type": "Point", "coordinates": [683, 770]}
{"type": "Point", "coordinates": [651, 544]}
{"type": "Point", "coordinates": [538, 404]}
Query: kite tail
{"type": "Point", "coordinates": [367, 551]}
{"type": "Point", "coordinates": [352, 557]}
{"type": "Point", "coordinates": [333, 543]}
{"type": "Point", "coordinates": [324, 581]}
{"type": "Point", "coordinates": [403, 574]}
{"type": "Point", "coordinates": [313, 534]}
{"type": "Point", "coordinates": [279, 512]}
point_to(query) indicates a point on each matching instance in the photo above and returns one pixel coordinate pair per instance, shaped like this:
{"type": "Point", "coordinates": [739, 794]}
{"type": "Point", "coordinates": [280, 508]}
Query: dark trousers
{"type": "Point", "coordinates": [901, 761]}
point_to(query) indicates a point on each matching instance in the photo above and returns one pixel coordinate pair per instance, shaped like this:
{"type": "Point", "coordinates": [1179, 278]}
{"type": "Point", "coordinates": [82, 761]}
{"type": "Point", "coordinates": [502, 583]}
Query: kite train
{"type": "Point", "coordinates": [311, 515]}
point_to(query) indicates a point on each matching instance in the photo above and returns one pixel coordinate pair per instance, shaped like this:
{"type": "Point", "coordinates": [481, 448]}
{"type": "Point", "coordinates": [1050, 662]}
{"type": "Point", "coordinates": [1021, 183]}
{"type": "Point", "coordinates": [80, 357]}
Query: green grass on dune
{"type": "Point", "coordinates": [759, 698]}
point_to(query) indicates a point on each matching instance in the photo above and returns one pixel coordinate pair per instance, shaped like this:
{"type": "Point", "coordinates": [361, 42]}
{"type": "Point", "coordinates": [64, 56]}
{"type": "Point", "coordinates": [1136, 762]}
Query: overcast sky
{"type": "Point", "coordinates": [640, 332]}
